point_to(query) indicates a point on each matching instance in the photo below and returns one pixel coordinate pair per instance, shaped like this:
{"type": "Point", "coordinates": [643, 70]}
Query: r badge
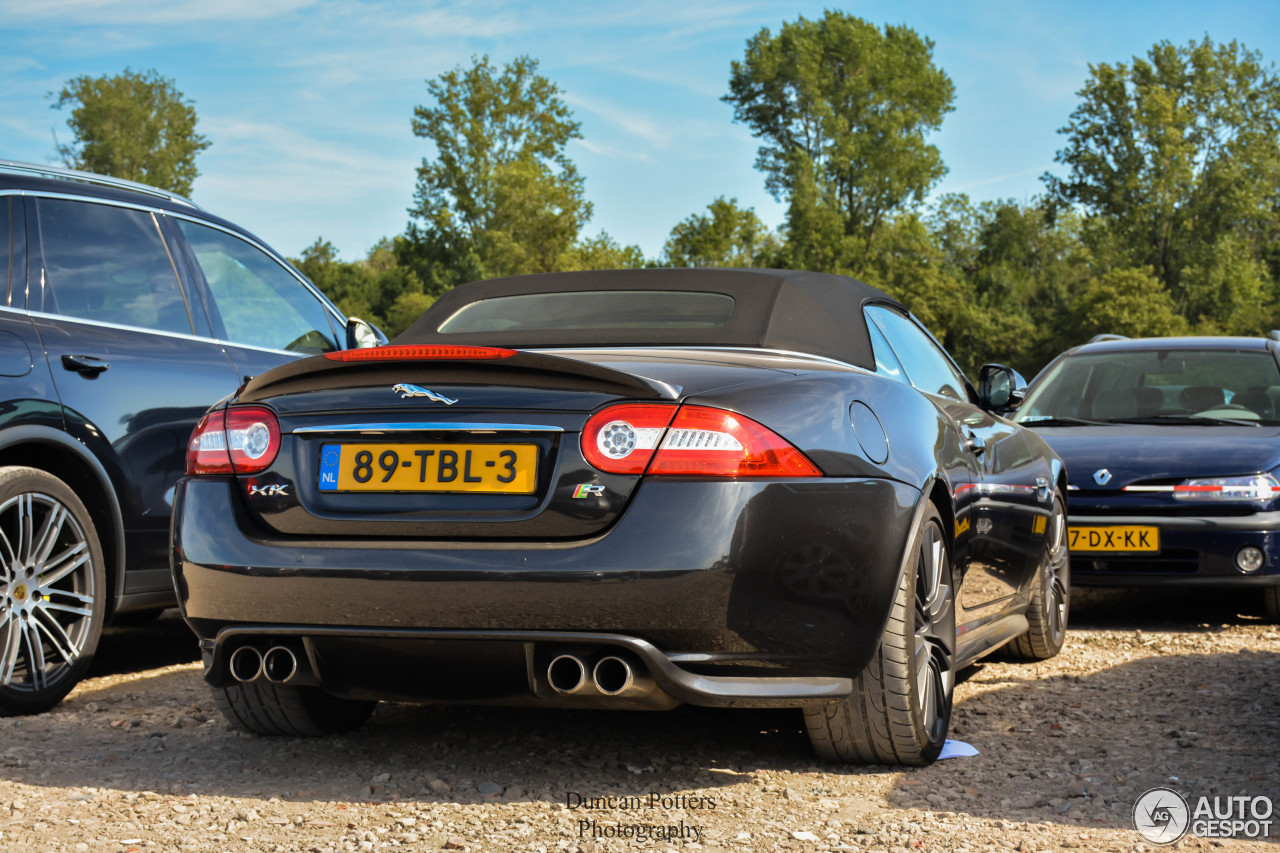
{"type": "Point", "coordinates": [1102, 476]}
{"type": "Point", "coordinates": [586, 490]}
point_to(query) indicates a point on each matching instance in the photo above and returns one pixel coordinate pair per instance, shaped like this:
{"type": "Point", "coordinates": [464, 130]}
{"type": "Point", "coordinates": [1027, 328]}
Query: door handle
{"type": "Point", "coordinates": [85, 365]}
{"type": "Point", "coordinates": [972, 443]}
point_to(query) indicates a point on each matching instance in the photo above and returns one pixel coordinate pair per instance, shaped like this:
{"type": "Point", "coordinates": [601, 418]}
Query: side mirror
{"type": "Point", "coordinates": [1000, 389]}
{"type": "Point", "coordinates": [361, 335]}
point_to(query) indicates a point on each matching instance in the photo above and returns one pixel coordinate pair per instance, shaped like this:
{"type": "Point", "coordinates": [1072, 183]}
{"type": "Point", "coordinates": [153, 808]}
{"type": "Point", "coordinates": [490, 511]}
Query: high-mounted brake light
{"type": "Point", "coordinates": [241, 440]}
{"type": "Point", "coordinates": [418, 353]}
{"type": "Point", "coordinates": [699, 442]}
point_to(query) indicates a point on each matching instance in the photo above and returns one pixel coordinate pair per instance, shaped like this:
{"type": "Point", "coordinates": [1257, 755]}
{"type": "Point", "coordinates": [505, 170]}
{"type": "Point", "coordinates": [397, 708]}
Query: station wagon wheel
{"type": "Point", "coordinates": [51, 590]}
{"type": "Point", "coordinates": [900, 707]}
{"type": "Point", "coordinates": [1050, 604]}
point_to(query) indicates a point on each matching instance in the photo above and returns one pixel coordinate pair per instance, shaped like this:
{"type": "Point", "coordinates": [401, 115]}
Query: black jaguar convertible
{"type": "Point", "coordinates": [630, 489]}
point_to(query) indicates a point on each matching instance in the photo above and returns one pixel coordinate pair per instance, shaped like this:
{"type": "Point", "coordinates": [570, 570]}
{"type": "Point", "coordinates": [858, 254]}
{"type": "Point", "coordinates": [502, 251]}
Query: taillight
{"type": "Point", "coordinates": [621, 439]}
{"type": "Point", "coordinates": [242, 440]}
{"type": "Point", "coordinates": [699, 442]}
{"type": "Point", "coordinates": [706, 442]}
{"type": "Point", "coordinates": [418, 353]}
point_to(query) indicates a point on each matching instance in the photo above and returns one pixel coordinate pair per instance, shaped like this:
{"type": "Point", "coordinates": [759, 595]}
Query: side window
{"type": "Point", "coordinates": [110, 265]}
{"type": "Point", "coordinates": [260, 303]}
{"type": "Point", "coordinates": [886, 362]}
{"type": "Point", "coordinates": [926, 365]}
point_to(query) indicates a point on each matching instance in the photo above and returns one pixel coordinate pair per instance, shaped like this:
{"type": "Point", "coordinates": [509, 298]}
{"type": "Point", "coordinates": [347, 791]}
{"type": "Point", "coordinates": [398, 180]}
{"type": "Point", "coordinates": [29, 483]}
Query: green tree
{"type": "Point", "coordinates": [725, 236]}
{"type": "Point", "coordinates": [602, 252]}
{"type": "Point", "coordinates": [1127, 302]}
{"type": "Point", "coordinates": [843, 108]}
{"type": "Point", "coordinates": [133, 126]}
{"type": "Point", "coordinates": [378, 289]}
{"type": "Point", "coordinates": [500, 196]}
{"type": "Point", "coordinates": [1176, 160]}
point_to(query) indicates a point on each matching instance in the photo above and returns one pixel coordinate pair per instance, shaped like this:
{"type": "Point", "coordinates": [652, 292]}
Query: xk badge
{"type": "Point", "coordinates": [276, 490]}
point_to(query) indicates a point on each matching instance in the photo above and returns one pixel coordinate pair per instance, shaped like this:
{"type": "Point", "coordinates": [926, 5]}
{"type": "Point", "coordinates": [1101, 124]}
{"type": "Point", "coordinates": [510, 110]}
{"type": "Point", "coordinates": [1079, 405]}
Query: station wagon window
{"type": "Point", "coordinates": [260, 303]}
{"type": "Point", "coordinates": [926, 365]}
{"type": "Point", "coordinates": [110, 265]}
{"type": "Point", "coordinates": [6, 246]}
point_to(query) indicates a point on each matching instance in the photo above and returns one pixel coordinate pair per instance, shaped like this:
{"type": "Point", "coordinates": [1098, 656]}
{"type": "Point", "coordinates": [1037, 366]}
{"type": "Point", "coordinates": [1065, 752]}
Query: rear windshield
{"type": "Point", "coordinates": [592, 309]}
{"type": "Point", "coordinates": [1159, 386]}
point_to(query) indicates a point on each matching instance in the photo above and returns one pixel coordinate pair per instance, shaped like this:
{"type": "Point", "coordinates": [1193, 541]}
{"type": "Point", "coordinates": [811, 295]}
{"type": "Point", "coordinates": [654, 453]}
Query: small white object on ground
{"type": "Point", "coordinates": [956, 749]}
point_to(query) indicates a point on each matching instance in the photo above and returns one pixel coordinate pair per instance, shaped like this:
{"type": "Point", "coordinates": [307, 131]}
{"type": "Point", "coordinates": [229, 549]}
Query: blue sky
{"type": "Point", "coordinates": [308, 102]}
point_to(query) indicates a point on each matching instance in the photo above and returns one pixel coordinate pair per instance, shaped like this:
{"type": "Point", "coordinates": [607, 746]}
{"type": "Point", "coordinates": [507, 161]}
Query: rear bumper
{"type": "Point", "coordinates": [1194, 551]}
{"type": "Point", "coordinates": [727, 592]}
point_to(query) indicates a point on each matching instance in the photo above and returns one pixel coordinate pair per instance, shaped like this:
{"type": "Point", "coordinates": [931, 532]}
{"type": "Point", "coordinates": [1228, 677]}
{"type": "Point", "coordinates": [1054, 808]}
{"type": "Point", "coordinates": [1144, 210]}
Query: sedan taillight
{"type": "Point", "coordinates": [242, 440]}
{"type": "Point", "coordinates": [698, 442]}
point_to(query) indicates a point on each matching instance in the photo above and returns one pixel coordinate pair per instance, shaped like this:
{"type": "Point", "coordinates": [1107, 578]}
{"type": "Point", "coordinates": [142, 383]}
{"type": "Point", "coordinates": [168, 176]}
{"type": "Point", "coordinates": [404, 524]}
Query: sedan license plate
{"type": "Point", "coordinates": [1117, 539]}
{"type": "Point", "coordinates": [484, 468]}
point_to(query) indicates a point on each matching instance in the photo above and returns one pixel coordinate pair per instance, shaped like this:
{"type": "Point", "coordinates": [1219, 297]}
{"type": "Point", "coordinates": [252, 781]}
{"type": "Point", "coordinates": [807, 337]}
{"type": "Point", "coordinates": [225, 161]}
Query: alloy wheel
{"type": "Point", "coordinates": [47, 592]}
{"type": "Point", "coordinates": [935, 633]}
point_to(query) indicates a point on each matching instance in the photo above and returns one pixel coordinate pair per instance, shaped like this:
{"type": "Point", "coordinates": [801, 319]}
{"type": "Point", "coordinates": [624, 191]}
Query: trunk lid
{"type": "Point", "coordinates": [459, 450]}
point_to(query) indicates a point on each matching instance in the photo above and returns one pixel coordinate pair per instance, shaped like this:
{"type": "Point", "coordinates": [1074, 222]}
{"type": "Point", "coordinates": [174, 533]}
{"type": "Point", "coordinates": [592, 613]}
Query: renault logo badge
{"type": "Point", "coordinates": [1102, 476]}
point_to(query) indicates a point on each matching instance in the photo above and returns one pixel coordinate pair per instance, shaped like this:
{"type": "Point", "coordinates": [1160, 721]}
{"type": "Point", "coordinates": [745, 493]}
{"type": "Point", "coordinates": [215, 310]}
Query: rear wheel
{"type": "Point", "coordinates": [52, 590]}
{"type": "Point", "coordinates": [1271, 603]}
{"type": "Point", "coordinates": [274, 709]}
{"type": "Point", "coordinates": [1050, 595]}
{"type": "Point", "coordinates": [901, 703]}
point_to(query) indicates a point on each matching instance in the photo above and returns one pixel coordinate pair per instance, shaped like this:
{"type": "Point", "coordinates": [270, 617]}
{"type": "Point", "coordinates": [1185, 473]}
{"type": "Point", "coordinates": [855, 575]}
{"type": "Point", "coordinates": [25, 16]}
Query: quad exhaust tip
{"type": "Point", "coordinates": [613, 675]}
{"type": "Point", "coordinates": [279, 664]}
{"type": "Point", "coordinates": [567, 674]}
{"type": "Point", "coordinates": [245, 664]}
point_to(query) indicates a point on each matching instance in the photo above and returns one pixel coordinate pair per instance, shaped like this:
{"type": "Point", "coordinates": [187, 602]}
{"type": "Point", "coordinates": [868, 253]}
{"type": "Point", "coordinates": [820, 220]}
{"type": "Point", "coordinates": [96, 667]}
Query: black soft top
{"type": "Point", "coordinates": [805, 312]}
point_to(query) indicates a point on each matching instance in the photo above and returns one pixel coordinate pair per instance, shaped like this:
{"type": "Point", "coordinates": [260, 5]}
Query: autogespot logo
{"type": "Point", "coordinates": [1161, 815]}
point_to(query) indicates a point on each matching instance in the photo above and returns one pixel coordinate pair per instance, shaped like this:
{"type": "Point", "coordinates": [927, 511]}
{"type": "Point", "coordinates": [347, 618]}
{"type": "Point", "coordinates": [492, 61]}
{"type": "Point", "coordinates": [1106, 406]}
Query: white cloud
{"type": "Point", "coordinates": [122, 12]}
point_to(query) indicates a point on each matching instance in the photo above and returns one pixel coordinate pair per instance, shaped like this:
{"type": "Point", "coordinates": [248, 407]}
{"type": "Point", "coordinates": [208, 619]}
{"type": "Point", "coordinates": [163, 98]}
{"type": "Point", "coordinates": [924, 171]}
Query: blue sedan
{"type": "Point", "coordinates": [1172, 447]}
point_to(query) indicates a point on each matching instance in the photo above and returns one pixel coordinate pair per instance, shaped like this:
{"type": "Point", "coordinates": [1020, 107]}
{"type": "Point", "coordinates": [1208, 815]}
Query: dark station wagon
{"type": "Point", "coordinates": [125, 312]}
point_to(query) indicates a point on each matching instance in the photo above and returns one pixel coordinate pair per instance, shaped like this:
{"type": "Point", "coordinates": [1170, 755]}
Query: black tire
{"type": "Point", "coordinates": [264, 708]}
{"type": "Point", "coordinates": [1271, 603]}
{"type": "Point", "coordinates": [1050, 605]}
{"type": "Point", "coordinates": [53, 590]}
{"type": "Point", "coordinates": [900, 708]}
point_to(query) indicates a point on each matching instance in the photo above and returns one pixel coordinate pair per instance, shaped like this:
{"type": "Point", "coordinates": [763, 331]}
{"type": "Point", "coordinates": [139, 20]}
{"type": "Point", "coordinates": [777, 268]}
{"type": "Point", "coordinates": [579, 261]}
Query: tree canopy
{"type": "Point", "coordinates": [135, 126]}
{"type": "Point", "coordinates": [843, 108]}
{"type": "Point", "coordinates": [1176, 159]}
{"type": "Point", "coordinates": [500, 196]}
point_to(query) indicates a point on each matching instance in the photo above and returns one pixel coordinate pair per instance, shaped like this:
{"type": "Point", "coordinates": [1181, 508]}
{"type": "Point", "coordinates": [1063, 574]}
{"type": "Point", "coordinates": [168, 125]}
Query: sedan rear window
{"type": "Point", "coordinates": [1158, 386]}
{"type": "Point", "coordinates": [593, 309]}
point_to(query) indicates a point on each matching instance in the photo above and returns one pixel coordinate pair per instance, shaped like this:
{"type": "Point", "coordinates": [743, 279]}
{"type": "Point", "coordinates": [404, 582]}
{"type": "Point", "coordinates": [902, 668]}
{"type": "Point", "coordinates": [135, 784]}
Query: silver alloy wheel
{"type": "Point", "coordinates": [46, 592]}
{"type": "Point", "coordinates": [935, 633]}
{"type": "Point", "coordinates": [1055, 569]}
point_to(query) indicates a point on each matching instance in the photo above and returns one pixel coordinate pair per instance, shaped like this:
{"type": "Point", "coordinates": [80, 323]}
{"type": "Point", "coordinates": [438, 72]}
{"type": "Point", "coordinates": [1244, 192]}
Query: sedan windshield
{"type": "Point", "coordinates": [1161, 386]}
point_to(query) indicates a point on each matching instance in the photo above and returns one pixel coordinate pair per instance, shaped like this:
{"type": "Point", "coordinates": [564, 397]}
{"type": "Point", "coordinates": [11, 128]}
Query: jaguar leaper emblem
{"type": "Point", "coordinates": [414, 391]}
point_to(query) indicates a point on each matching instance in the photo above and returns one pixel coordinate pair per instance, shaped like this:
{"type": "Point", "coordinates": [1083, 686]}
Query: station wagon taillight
{"type": "Point", "coordinates": [691, 441]}
{"type": "Point", "coordinates": [239, 440]}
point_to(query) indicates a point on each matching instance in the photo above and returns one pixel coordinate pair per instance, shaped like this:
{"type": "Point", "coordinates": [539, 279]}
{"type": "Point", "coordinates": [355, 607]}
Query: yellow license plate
{"type": "Point", "coordinates": [486, 468]}
{"type": "Point", "coordinates": [1117, 539]}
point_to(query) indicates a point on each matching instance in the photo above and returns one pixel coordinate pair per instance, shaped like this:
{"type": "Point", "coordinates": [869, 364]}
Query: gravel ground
{"type": "Point", "coordinates": [138, 759]}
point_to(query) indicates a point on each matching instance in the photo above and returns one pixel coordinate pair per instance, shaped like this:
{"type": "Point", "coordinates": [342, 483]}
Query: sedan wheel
{"type": "Point", "coordinates": [1050, 595]}
{"type": "Point", "coordinates": [51, 590]}
{"type": "Point", "coordinates": [901, 703]}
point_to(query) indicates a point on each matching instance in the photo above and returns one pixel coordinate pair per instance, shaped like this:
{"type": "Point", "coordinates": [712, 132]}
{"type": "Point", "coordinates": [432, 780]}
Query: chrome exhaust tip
{"type": "Point", "coordinates": [567, 674]}
{"type": "Point", "coordinates": [613, 675]}
{"type": "Point", "coordinates": [245, 664]}
{"type": "Point", "coordinates": [279, 664]}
